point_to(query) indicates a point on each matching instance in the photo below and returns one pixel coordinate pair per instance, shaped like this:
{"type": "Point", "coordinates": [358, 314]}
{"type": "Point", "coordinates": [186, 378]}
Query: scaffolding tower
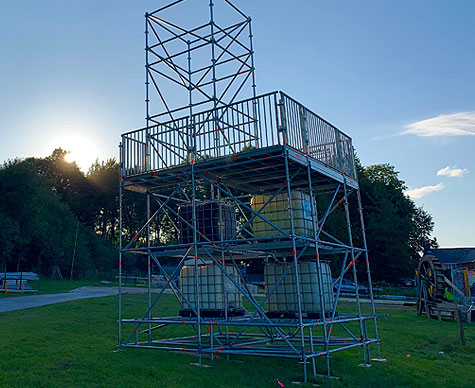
{"type": "Point", "coordinates": [228, 145]}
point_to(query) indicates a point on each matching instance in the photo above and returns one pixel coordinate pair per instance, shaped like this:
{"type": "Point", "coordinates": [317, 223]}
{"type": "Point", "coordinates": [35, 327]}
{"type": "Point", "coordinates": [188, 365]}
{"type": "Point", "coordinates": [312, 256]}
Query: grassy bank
{"type": "Point", "coordinates": [73, 345]}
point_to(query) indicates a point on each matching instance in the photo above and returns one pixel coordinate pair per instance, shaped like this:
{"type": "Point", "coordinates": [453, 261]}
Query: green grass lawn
{"type": "Point", "coordinates": [50, 286]}
{"type": "Point", "coordinates": [391, 290]}
{"type": "Point", "coordinates": [73, 345]}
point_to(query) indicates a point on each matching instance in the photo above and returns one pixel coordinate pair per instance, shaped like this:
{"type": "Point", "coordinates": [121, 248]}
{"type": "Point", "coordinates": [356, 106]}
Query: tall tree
{"type": "Point", "coordinates": [396, 228]}
{"type": "Point", "coordinates": [104, 177]}
{"type": "Point", "coordinates": [37, 229]}
{"type": "Point", "coordinates": [68, 181]}
{"type": "Point", "coordinates": [45, 224]}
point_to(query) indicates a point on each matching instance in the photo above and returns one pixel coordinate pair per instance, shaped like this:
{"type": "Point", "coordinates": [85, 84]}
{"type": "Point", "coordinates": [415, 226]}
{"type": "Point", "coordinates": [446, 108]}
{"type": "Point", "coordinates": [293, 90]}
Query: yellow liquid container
{"type": "Point", "coordinates": [277, 212]}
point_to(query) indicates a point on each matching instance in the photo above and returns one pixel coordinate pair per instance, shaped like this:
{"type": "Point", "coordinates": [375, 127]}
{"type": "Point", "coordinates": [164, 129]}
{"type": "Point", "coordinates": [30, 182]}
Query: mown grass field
{"type": "Point", "coordinates": [73, 345]}
{"type": "Point", "coordinates": [50, 286]}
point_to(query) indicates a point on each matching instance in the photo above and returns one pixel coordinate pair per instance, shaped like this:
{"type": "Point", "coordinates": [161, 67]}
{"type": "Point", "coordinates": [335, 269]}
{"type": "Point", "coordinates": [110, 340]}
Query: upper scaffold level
{"type": "Point", "coordinates": [244, 127]}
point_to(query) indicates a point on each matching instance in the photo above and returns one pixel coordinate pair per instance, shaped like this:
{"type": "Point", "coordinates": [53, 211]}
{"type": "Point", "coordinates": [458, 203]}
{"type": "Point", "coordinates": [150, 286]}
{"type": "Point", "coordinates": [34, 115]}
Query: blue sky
{"type": "Point", "coordinates": [397, 76]}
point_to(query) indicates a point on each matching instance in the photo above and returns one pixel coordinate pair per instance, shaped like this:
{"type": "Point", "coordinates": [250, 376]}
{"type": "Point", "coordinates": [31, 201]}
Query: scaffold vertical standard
{"type": "Point", "coordinates": [232, 178]}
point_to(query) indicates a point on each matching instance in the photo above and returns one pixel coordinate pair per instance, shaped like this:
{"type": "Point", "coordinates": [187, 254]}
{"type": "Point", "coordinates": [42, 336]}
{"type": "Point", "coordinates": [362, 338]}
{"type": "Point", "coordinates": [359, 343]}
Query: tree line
{"type": "Point", "coordinates": [397, 230]}
{"type": "Point", "coordinates": [46, 202]}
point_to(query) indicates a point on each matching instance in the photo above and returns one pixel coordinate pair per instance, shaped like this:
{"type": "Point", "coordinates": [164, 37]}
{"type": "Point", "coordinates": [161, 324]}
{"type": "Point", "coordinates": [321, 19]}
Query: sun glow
{"type": "Point", "coordinates": [69, 157]}
{"type": "Point", "coordinates": [80, 149]}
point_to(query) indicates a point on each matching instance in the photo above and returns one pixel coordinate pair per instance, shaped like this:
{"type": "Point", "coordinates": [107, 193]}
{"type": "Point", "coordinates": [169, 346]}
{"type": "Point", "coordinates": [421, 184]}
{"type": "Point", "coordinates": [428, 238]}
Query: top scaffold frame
{"type": "Point", "coordinates": [217, 120]}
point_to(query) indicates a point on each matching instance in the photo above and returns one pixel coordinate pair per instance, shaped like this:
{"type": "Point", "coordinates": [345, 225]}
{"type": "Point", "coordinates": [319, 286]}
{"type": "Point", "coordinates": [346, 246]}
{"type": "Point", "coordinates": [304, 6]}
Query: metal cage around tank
{"type": "Point", "coordinates": [249, 154]}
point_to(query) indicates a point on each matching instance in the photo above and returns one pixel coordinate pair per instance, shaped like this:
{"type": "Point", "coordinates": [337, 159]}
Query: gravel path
{"type": "Point", "coordinates": [26, 302]}
{"type": "Point", "coordinates": [85, 292]}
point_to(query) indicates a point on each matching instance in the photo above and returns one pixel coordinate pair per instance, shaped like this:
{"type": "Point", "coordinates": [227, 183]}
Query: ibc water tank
{"type": "Point", "coordinates": [284, 298]}
{"type": "Point", "coordinates": [277, 212]}
{"type": "Point", "coordinates": [310, 292]}
{"type": "Point", "coordinates": [216, 290]}
{"type": "Point", "coordinates": [215, 221]}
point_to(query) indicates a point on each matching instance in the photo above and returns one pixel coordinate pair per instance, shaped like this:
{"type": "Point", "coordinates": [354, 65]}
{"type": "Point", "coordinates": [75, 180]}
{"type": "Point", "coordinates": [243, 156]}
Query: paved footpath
{"type": "Point", "coordinates": [86, 292]}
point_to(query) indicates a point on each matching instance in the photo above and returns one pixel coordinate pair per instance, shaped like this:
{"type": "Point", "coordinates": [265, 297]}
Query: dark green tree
{"type": "Point", "coordinates": [396, 228]}
{"type": "Point", "coordinates": [104, 178]}
{"type": "Point", "coordinates": [69, 182]}
{"type": "Point", "coordinates": [37, 229]}
{"type": "Point", "coordinates": [46, 225]}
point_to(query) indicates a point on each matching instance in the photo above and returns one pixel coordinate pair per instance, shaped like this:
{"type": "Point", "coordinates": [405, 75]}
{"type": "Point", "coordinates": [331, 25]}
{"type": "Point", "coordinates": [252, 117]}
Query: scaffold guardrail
{"type": "Point", "coordinates": [267, 120]}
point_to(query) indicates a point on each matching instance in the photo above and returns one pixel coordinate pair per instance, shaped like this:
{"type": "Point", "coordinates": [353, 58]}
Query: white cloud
{"type": "Point", "coordinates": [455, 124]}
{"type": "Point", "coordinates": [421, 191]}
{"type": "Point", "coordinates": [452, 172]}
